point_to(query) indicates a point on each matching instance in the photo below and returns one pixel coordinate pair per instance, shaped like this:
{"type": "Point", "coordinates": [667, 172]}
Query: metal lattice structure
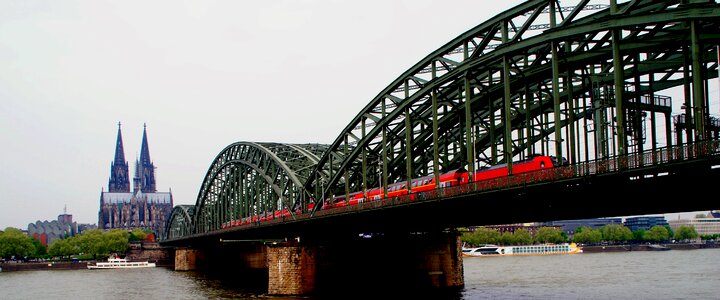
{"type": "Point", "coordinates": [254, 179]}
{"type": "Point", "coordinates": [179, 223]}
{"type": "Point", "coordinates": [581, 80]}
{"type": "Point", "coordinates": [581, 89]}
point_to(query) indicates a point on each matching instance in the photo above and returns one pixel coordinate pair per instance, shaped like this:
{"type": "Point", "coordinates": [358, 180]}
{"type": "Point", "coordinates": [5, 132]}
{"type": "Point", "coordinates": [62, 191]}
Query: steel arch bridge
{"type": "Point", "coordinates": [253, 179]}
{"type": "Point", "coordinates": [578, 80]}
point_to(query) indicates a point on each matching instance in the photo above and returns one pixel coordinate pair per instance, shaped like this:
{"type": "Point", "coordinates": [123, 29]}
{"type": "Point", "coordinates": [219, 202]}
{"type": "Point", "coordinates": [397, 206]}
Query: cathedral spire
{"type": "Point", "coordinates": [119, 181]}
{"type": "Point", "coordinates": [145, 150]}
{"type": "Point", "coordinates": [119, 151]}
{"type": "Point", "coordinates": [144, 169]}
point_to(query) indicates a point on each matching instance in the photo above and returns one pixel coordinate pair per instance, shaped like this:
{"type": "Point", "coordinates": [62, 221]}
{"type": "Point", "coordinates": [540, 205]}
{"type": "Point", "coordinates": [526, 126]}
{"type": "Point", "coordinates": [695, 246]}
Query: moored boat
{"type": "Point", "coordinates": [541, 249]}
{"type": "Point", "coordinates": [121, 263]}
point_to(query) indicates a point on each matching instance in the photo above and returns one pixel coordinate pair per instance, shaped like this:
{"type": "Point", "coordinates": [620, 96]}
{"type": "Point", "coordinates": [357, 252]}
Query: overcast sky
{"type": "Point", "coordinates": [200, 74]}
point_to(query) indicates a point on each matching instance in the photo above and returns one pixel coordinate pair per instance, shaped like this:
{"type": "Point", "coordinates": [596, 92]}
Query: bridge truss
{"type": "Point", "coordinates": [253, 179]}
{"type": "Point", "coordinates": [582, 80]}
{"type": "Point", "coordinates": [582, 89]}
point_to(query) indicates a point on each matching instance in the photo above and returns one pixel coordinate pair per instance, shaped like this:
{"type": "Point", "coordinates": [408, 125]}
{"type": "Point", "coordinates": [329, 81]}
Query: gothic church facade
{"type": "Point", "coordinates": [143, 207]}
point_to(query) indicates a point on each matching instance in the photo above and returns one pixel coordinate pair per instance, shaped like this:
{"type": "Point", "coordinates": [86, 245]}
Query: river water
{"type": "Point", "coordinates": [676, 274]}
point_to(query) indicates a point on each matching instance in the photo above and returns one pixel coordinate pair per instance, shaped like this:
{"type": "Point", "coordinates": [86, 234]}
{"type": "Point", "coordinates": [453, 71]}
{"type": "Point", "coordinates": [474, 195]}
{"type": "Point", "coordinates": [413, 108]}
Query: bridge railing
{"type": "Point", "coordinates": [598, 166]}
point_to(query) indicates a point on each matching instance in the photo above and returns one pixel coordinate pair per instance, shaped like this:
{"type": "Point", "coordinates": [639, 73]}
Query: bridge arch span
{"type": "Point", "coordinates": [577, 83]}
{"type": "Point", "coordinates": [254, 179]}
{"type": "Point", "coordinates": [179, 223]}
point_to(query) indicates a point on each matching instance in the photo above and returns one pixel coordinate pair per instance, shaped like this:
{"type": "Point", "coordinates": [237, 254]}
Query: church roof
{"type": "Point", "coordinates": [115, 198]}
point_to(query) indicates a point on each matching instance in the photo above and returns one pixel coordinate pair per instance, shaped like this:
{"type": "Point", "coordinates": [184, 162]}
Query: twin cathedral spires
{"type": "Point", "coordinates": [144, 179]}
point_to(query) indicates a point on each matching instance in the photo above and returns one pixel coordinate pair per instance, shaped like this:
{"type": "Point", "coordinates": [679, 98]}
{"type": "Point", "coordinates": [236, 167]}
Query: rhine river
{"type": "Point", "coordinates": [675, 274]}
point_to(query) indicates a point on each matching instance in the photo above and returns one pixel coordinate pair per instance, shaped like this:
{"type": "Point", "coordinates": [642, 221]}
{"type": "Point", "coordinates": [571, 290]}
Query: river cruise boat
{"type": "Point", "coordinates": [121, 263]}
{"type": "Point", "coordinates": [525, 250]}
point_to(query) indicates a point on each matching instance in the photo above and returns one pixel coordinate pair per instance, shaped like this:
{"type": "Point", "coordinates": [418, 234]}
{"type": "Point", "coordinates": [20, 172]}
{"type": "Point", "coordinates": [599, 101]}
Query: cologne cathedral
{"type": "Point", "coordinates": [143, 207]}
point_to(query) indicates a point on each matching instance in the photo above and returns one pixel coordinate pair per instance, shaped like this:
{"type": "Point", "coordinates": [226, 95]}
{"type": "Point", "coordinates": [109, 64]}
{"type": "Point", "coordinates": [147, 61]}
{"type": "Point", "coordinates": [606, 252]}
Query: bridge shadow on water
{"type": "Point", "coordinates": [359, 283]}
{"type": "Point", "coordinates": [384, 267]}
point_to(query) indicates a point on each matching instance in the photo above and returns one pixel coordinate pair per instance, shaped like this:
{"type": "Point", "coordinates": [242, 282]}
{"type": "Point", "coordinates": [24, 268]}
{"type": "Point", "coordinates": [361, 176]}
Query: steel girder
{"type": "Point", "coordinates": [179, 223]}
{"type": "Point", "coordinates": [524, 88]}
{"type": "Point", "coordinates": [254, 179]}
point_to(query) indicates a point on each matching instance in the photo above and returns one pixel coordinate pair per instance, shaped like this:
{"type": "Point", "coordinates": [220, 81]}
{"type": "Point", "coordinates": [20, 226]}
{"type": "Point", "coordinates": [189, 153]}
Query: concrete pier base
{"type": "Point", "coordinates": [186, 259]}
{"type": "Point", "coordinates": [443, 261]}
{"type": "Point", "coordinates": [291, 269]}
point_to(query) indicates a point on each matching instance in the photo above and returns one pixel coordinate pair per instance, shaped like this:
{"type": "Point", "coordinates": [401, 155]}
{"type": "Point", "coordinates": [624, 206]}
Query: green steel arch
{"type": "Point", "coordinates": [254, 179]}
{"type": "Point", "coordinates": [574, 81]}
{"type": "Point", "coordinates": [179, 223]}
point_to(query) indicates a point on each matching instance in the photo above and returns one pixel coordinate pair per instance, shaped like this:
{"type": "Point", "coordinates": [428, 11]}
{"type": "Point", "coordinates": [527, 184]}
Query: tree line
{"type": "Point", "coordinates": [611, 233]}
{"type": "Point", "coordinates": [94, 243]}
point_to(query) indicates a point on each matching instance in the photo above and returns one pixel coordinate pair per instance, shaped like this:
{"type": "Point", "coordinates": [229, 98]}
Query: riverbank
{"type": "Point", "coordinates": [645, 247]}
{"type": "Point", "coordinates": [43, 266]}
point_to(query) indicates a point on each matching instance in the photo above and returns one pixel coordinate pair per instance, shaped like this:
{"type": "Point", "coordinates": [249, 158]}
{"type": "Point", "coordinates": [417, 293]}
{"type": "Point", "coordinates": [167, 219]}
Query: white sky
{"type": "Point", "coordinates": [201, 74]}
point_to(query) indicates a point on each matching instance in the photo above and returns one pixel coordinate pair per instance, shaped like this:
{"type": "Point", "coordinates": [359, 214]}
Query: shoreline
{"type": "Point", "coordinates": [44, 266]}
{"type": "Point", "coordinates": [645, 247]}
{"type": "Point", "coordinates": [55, 265]}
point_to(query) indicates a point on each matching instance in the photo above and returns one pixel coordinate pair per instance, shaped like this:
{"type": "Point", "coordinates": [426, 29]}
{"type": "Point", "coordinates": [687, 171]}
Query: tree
{"type": "Point", "coordinates": [638, 235]}
{"type": "Point", "coordinates": [507, 238]}
{"type": "Point", "coordinates": [137, 235]}
{"type": "Point", "coordinates": [657, 233]}
{"type": "Point", "coordinates": [64, 247]}
{"type": "Point", "coordinates": [522, 237]}
{"type": "Point", "coordinates": [616, 233]}
{"type": "Point", "coordinates": [587, 235]}
{"type": "Point", "coordinates": [670, 231]}
{"type": "Point", "coordinates": [117, 241]}
{"type": "Point", "coordinates": [13, 242]}
{"type": "Point", "coordinates": [92, 242]}
{"type": "Point", "coordinates": [549, 235]}
{"type": "Point", "coordinates": [685, 232]}
{"type": "Point", "coordinates": [481, 235]}
{"type": "Point", "coordinates": [40, 249]}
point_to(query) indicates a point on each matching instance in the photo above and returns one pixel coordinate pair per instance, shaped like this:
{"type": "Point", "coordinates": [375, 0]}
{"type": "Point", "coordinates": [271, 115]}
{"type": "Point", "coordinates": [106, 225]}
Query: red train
{"type": "Point", "coordinates": [421, 184]}
{"type": "Point", "coordinates": [448, 179]}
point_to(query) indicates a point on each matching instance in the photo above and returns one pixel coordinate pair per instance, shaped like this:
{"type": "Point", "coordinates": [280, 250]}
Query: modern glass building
{"type": "Point", "coordinates": [644, 222]}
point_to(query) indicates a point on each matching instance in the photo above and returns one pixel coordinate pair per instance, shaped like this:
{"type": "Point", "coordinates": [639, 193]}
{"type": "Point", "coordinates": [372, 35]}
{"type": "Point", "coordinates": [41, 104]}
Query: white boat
{"type": "Point", "coordinates": [121, 263]}
{"type": "Point", "coordinates": [541, 249]}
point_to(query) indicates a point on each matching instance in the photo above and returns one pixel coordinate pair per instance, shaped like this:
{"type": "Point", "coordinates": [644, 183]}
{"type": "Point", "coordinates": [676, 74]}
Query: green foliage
{"type": "Point", "coordinates": [92, 242]}
{"type": "Point", "coordinates": [116, 241]}
{"type": "Point", "coordinates": [616, 233]}
{"type": "Point", "coordinates": [481, 236]}
{"type": "Point", "coordinates": [64, 247]}
{"type": "Point", "coordinates": [587, 235]}
{"type": "Point", "coordinates": [639, 235]}
{"type": "Point", "coordinates": [686, 232]}
{"type": "Point", "coordinates": [657, 233]}
{"type": "Point", "coordinates": [670, 231]}
{"type": "Point", "coordinates": [708, 237]}
{"type": "Point", "coordinates": [549, 235]}
{"type": "Point", "coordinates": [13, 242]}
{"type": "Point", "coordinates": [522, 237]}
{"type": "Point", "coordinates": [137, 235]}
{"type": "Point", "coordinates": [40, 250]}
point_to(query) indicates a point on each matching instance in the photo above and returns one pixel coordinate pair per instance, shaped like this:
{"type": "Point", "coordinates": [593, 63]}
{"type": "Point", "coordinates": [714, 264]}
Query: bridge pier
{"type": "Point", "coordinates": [186, 259]}
{"type": "Point", "coordinates": [398, 262]}
{"type": "Point", "coordinates": [442, 258]}
{"type": "Point", "coordinates": [291, 269]}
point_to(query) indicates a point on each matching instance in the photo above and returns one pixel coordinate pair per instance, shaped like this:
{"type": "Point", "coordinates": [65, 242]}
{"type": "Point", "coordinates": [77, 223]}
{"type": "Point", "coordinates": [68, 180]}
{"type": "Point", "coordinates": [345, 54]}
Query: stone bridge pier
{"type": "Point", "coordinates": [423, 260]}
